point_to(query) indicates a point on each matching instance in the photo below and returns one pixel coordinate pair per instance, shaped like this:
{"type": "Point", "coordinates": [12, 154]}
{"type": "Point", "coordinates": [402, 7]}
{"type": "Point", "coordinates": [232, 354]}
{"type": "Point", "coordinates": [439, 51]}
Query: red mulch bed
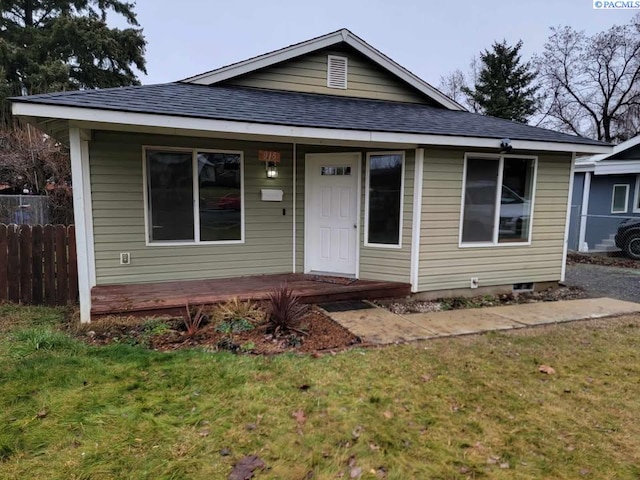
{"type": "Point", "coordinates": [616, 259]}
{"type": "Point", "coordinates": [316, 332]}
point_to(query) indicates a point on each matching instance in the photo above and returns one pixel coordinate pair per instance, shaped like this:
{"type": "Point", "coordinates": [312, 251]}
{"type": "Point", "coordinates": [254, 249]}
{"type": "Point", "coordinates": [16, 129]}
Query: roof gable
{"type": "Point", "coordinates": [309, 73]}
{"type": "Point", "coordinates": [337, 39]}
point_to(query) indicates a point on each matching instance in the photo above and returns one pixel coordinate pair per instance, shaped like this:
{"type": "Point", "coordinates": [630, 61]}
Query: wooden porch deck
{"type": "Point", "coordinates": [171, 297]}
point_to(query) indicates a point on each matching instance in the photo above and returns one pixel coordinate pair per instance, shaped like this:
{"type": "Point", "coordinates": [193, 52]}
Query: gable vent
{"type": "Point", "coordinates": [336, 72]}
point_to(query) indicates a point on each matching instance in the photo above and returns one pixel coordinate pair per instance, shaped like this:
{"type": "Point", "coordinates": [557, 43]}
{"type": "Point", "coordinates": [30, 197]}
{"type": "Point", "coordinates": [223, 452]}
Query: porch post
{"type": "Point", "coordinates": [584, 212]}
{"type": "Point", "coordinates": [565, 248]}
{"type": "Point", "coordinates": [82, 213]}
{"type": "Point", "coordinates": [417, 218]}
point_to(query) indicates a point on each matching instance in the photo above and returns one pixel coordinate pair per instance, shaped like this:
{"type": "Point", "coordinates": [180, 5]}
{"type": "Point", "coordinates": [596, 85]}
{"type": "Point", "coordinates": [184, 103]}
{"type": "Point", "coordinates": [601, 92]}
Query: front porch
{"type": "Point", "coordinates": [171, 297]}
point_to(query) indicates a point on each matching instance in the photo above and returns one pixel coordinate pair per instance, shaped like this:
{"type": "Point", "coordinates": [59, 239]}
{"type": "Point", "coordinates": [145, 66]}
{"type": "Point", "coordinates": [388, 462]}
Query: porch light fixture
{"type": "Point", "coordinates": [272, 169]}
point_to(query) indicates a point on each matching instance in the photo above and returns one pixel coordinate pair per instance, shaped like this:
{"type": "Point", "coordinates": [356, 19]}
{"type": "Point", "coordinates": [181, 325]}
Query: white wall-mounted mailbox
{"type": "Point", "coordinates": [270, 195]}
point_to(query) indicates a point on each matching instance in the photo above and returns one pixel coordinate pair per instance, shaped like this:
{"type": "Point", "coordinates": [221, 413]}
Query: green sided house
{"type": "Point", "coordinates": [322, 158]}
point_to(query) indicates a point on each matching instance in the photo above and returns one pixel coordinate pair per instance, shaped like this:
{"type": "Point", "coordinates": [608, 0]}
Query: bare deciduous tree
{"type": "Point", "coordinates": [33, 162]}
{"type": "Point", "coordinates": [592, 83]}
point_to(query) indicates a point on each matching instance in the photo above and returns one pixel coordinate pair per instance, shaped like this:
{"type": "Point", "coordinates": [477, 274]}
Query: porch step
{"type": "Point", "coordinates": [607, 245]}
{"type": "Point", "coordinates": [171, 297]}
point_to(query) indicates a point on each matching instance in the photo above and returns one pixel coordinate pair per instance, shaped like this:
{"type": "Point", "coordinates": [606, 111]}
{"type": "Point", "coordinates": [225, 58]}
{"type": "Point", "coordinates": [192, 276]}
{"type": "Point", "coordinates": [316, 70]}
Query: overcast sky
{"type": "Point", "coordinates": [430, 38]}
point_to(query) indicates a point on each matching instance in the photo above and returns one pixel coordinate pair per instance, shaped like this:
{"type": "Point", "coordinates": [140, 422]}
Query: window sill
{"type": "Point", "coordinates": [493, 245]}
{"type": "Point", "coordinates": [192, 243]}
{"type": "Point", "coordinates": [382, 245]}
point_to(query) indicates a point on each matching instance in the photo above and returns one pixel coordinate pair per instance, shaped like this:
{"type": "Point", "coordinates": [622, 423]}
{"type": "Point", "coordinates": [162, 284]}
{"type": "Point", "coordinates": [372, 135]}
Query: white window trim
{"type": "Point", "coordinates": [496, 221]}
{"type": "Point", "coordinates": [196, 195]}
{"type": "Point", "coordinates": [626, 197]}
{"type": "Point", "coordinates": [636, 198]}
{"type": "Point", "coordinates": [366, 201]}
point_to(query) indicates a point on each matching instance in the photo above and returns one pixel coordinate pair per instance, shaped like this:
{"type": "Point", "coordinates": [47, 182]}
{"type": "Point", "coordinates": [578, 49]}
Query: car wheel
{"type": "Point", "coordinates": [632, 247]}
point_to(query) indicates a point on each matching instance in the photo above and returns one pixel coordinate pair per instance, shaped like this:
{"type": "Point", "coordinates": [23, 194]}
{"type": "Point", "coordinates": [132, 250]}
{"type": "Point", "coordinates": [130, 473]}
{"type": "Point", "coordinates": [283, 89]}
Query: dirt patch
{"type": "Point", "coordinates": [401, 306]}
{"type": "Point", "coordinates": [615, 259]}
{"type": "Point", "coordinates": [315, 332]}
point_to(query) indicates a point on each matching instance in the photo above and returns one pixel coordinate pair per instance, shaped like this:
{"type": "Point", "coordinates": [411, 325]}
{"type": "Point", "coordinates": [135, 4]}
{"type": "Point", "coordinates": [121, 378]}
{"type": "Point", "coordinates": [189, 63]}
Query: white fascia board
{"type": "Point", "coordinates": [617, 167]}
{"type": "Point", "coordinates": [266, 60]}
{"type": "Point", "coordinates": [285, 133]}
{"type": "Point", "coordinates": [397, 70]}
{"type": "Point", "coordinates": [584, 167]}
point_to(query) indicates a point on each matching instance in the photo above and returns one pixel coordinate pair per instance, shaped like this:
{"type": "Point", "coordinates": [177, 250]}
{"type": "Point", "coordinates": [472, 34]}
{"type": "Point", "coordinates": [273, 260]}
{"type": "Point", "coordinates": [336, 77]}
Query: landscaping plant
{"type": "Point", "coordinates": [285, 310]}
{"type": "Point", "coordinates": [194, 320]}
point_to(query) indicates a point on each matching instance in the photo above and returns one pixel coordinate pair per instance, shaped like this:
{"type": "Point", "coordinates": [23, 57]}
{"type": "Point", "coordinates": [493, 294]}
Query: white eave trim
{"type": "Point", "coordinates": [617, 167]}
{"type": "Point", "coordinates": [284, 133]}
{"type": "Point", "coordinates": [293, 51]}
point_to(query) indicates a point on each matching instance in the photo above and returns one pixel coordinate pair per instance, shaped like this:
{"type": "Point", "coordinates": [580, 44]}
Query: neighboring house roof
{"type": "Point", "coordinates": [342, 36]}
{"type": "Point", "coordinates": [300, 109]}
{"type": "Point", "coordinates": [622, 160]}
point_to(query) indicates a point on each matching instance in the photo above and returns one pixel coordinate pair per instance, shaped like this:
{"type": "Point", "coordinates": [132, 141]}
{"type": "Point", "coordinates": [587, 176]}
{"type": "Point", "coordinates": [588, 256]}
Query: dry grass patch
{"type": "Point", "coordinates": [468, 407]}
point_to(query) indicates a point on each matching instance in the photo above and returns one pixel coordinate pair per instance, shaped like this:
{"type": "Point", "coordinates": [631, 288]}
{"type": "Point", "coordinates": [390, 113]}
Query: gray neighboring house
{"type": "Point", "coordinates": [324, 157]}
{"type": "Point", "coordinates": [606, 192]}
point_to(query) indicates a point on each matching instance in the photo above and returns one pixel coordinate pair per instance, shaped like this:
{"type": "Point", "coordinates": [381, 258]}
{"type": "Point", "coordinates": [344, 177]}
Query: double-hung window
{"type": "Point", "coordinates": [383, 202]}
{"type": "Point", "coordinates": [193, 196]}
{"type": "Point", "coordinates": [620, 198]}
{"type": "Point", "coordinates": [636, 201]}
{"type": "Point", "coordinates": [497, 201]}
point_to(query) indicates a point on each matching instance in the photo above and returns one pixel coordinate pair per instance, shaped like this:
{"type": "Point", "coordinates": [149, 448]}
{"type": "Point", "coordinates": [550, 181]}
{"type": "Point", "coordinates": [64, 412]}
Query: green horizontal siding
{"type": "Point", "coordinates": [118, 208]}
{"type": "Point", "coordinates": [308, 74]}
{"type": "Point", "coordinates": [444, 265]}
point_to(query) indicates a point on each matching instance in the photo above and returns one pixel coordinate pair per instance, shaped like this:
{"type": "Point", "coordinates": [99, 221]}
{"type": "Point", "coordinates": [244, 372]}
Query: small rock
{"type": "Point", "coordinates": [225, 452]}
{"type": "Point", "coordinates": [504, 465]}
{"type": "Point", "coordinates": [91, 334]}
{"type": "Point", "coordinates": [546, 369]}
{"type": "Point", "coordinates": [356, 472]}
{"type": "Point", "coordinates": [42, 414]}
{"type": "Point", "coordinates": [251, 426]}
{"type": "Point", "coordinates": [585, 471]}
{"type": "Point", "coordinates": [204, 432]}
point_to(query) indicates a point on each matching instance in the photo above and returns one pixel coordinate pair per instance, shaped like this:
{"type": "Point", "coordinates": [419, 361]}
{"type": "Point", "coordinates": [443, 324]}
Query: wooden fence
{"type": "Point", "coordinates": [38, 264]}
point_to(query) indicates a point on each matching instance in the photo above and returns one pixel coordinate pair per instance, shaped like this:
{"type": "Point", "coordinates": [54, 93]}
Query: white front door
{"type": "Point", "coordinates": [332, 213]}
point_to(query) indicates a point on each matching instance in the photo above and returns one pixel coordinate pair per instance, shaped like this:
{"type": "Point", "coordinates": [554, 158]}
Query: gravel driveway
{"type": "Point", "coordinates": [601, 281]}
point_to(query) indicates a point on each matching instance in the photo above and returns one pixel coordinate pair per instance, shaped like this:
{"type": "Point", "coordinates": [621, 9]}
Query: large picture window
{"type": "Point", "coordinates": [497, 200]}
{"type": "Point", "coordinates": [194, 196]}
{"type": "Point", "coordinates": [384, 190]}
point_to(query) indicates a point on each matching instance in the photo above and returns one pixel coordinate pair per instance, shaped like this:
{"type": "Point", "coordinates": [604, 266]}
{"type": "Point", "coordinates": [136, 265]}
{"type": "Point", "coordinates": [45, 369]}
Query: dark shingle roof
{"type": "Point", "coordinates": [299, 109]}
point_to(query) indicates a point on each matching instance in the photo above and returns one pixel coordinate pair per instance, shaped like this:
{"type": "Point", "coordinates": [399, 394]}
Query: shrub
{"type": "Point", "coordinates": [285, 309]}
{"type": "Point", "coordinates": [194, 320]}
{"type": "Point", "coordinates": [235, 309]}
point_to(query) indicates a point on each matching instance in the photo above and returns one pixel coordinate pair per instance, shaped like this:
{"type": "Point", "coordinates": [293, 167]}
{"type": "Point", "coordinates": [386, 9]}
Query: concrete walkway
{"type": "Point", "coordinates": [380, 326]}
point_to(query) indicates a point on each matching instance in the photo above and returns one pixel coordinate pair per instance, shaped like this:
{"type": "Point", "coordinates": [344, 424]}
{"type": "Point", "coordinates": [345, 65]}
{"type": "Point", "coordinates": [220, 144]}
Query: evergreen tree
{"type": "Point", "coordinates": [504, 87]}
{"type": "Point", "coordinates": [54, 45]}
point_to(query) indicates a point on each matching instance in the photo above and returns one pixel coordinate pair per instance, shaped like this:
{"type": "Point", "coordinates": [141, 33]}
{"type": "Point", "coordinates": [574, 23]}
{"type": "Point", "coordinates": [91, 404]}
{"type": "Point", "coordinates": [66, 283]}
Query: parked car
{"type": "Point", "coordinates": [230, 201]}
{"type": "Point", "coordinates": [628, 237]}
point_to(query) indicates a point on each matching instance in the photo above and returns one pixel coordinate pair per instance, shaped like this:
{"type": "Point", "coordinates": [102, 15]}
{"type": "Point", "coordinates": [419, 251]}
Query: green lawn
{"type": "Point", "coordinates": [471, 407]}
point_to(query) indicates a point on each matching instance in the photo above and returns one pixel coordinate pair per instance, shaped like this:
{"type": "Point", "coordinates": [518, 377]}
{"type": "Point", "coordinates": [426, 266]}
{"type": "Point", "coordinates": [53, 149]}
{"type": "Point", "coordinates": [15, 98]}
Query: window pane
{"type": "Point", "coordinates": [515, 205]}
{"type": "Point", "coordinates": [219, 176]}
{"type": "Point", "coordinates": [170, 185]}
{"type": "Point", "coordinates": [385, 199]}
{"type": "Point", "coordinates": [480, 200]}
{"type": "Point", "coordinates": [619, 204]}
